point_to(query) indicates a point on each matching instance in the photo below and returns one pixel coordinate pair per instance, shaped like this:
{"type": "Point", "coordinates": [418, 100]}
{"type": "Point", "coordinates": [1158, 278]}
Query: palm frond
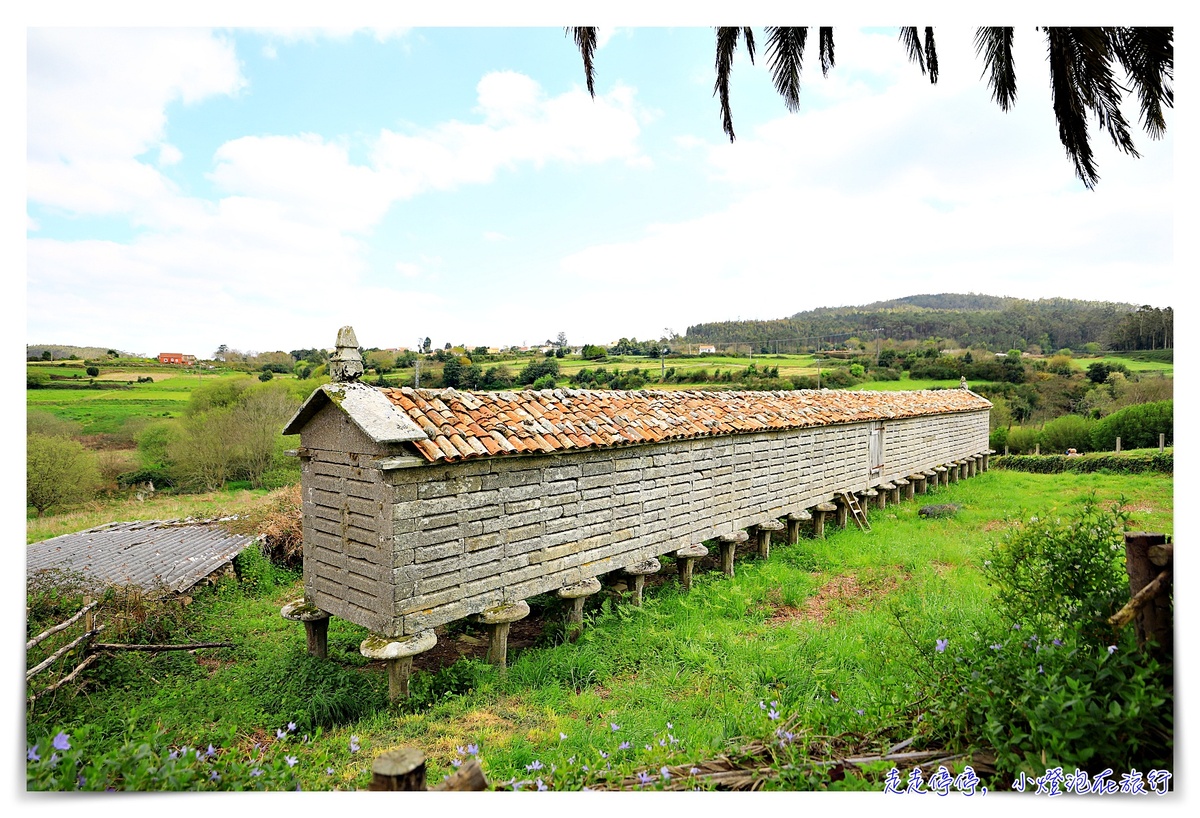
{"type": "Point", "coordinates": [727, 42]}
{"type": "Point", "coordinates": [785, 59]}
{"type": "Point", "coordinates": [1070, 105]}
{"type": "Point", "coordinates": [911, 39]}
{"type": "Point", "coordinates": [995, 45]}
{"type": "Point", "coordinates": [931, 59]}
{"type": "Point", "coordinates": [585, 41]}
{"type": "Point", "coordinates": [825, 35]}
{"type": "Point", "coordinates": [1148, 56]}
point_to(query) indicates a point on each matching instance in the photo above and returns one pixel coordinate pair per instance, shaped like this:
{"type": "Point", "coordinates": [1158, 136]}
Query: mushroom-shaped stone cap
{"type": "Point", "coordinates": [734, 536]}
{"type": "Point", "coordinates": [300, 611]}
{"type": "Point", "coordinates": [801, 516]}
{"type": "Point", "coordinates": [503, 614]}
{"type": "Point", "coordinates": [586, 588]}
{"type": "Point", "coordinates": [917, 477]}
{"type": "Point", "coordinates": [826, 507]}
{"type": "Point", "coordinates": [383, 647]}
{"type": "Point", "coordinates": [940, 469]}
{"type": "Point", "coordinates": [692, 551]}
{"type": "Point", "coordinates": [649, 566]}
{"type": "Point", "coordinates": [771, 525]}
{"type": "Point", "coordinates": [900, 481]}
{"type": "Point", "coordinates": [870, 493]}
{"type": "Point", "coordinates": [886, 486]}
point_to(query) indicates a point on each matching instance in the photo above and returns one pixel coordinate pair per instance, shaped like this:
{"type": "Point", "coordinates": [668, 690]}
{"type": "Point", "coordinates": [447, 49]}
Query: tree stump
{"type": "Point", "coordinates": [399, 770]}
{"type": "Point", "coordinates": [1153, 619]}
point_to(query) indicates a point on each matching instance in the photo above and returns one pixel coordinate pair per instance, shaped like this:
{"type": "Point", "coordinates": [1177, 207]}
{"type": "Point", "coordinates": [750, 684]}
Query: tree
{"type": "Point", "coordinates": [221, 352]}
{"type": "Point", "coordinates": [92, 371]}
{"type": "Point", "coordinates": [1081, 74]}
{"type": "Point", "coordinates": [58, 472]}
{"type": "Point", "coordinates": [426, 345]}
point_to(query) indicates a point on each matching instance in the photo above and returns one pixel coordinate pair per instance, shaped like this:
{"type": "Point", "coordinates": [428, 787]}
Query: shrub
{"type": "Point", "coordinates": [545, 382]}
{"type": "Point", "coordinates": [50, 425]}
{"type": "Point", "coordinates": [1067, 432]}
{"type": "Point", "coordinates": [1138, 427]}
{"type": "Point", "coordinates": [1023, 439]}
{"type": "Point", "coordinates": [92, 371]}
{"type": "Point", "coordinates": [538, 369]}
{"type": "Point", "coordinates": [58, 472]}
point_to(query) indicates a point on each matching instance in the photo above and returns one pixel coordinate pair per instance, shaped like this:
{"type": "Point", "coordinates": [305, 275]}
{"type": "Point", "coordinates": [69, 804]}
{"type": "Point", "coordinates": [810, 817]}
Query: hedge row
{"type": "Point", "coordinates": [1161, 462]}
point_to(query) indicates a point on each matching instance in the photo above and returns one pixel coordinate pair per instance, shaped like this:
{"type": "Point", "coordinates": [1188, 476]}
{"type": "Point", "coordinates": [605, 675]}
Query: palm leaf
{"type": "Point", "coordinates": [911, 39]}
{"type": "Point", "coordinates": [825, 35]}
{"type": "Point", "coordinates": [995, 45]}
{"type": "Point", "coordinates": [727, 42]}
{"type": "Point", "coordinates": [1148, 57]}
{"type": "Point", "coordinates": [585, 41]}
{"type": "Point", "coordinates": [785, 58]}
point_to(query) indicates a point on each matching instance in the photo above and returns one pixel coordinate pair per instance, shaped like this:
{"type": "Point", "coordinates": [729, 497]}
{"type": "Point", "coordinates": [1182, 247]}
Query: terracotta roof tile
{"type": "Point", "coordinates": [479, 424]}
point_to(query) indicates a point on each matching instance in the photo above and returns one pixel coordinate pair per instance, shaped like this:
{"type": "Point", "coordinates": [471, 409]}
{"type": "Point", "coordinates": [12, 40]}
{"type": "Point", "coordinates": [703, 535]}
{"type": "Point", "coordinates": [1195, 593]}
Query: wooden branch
{"type": "Point", "coordinates": [33, 671]}
{"type": "Point", "coordinates": [89, 660]}
{"type": "Point", "coordinates": [60, 626]}
{"type": "Point", "coordinates": [1162, 554]}
{"type": "Point", "coordinates": [467, 778]}
{"type": "Point", "coordinates": [197, 645]}
{"type": "Point", "coordinates": [1152, 589]}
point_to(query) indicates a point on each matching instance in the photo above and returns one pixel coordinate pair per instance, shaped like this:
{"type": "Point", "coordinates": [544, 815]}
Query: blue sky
{"type": "Point", "coordinates": [188, 187]}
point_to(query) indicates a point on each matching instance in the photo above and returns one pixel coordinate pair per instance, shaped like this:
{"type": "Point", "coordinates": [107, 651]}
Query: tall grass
{"type": "Point", "coordinates": [823, 635]}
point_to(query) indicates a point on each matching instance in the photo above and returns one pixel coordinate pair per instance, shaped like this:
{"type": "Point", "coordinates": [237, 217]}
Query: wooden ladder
{"type": "Point", "coordinates": [860, 516]}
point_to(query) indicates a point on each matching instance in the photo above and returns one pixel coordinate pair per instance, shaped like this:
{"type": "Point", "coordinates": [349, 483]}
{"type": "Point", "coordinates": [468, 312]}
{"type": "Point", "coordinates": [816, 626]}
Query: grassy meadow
{"type": "Point", "coordinates": [829, 641]}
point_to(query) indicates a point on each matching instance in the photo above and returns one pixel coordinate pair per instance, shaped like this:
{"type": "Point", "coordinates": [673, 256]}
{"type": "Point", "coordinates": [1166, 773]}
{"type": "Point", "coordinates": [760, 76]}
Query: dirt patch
{"type": "Point", "coordinates": [473, 643]}
{"type": "Point", "coordinates": [847, 592]}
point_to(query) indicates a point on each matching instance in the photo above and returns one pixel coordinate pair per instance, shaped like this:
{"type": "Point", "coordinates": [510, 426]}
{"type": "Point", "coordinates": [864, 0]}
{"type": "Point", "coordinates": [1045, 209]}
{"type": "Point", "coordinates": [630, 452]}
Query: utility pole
{"type": "Point", "coordinates": [417, 364]}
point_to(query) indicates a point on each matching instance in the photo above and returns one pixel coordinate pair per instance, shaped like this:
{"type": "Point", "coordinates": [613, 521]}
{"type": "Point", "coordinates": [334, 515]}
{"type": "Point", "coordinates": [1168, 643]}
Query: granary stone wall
{"type": "Point", "coordinates": [399, 545]}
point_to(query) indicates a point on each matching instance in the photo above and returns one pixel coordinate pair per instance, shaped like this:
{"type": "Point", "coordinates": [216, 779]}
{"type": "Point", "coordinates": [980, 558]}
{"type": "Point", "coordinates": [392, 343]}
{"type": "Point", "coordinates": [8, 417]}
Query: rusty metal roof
{"type": "Point", "coordinates": [461, 425]}
{"type": "Point", "coordinates": [163, 555]}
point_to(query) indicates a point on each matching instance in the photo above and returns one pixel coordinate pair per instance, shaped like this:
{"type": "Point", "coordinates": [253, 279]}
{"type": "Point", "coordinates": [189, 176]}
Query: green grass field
{"type": "Point", "coordinates": [836, 634]}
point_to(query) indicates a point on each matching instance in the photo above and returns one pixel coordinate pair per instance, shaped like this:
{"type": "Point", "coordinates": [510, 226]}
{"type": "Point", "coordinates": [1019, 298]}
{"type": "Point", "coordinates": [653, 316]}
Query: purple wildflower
{"type": "Point", "coordinates": [281, 734]}
{"type": "Point", "coordinates": [212, 751]}
{"type": "Point", "coordinates": [459, 750]}
{"type": "Point", "coordinates": [354, 748]}
{"type": "Point", "coordinates": [860, 712]}
{"type": "Point", "coordinates": [1112, 649]}
{"type": "Point", "coordinates": [291, 760]}
{"type": "Point", "coordinates": [456, 762]}
{"type": "Point", "coordinates": [562, 736]}
{"type": "Point", "coordinates": [1056, 642]}
{"type": "Point", "coordinates": [256, 772]}
{"type": "Point", "coordinates": [214, 776]}
{"type": "Point", "coordinates": [996, 646]}
{"type": "Point", "coordinates": [773, 714]}
{"type": "Point", "coordinates": [1017, 626]}
{"type": "Point", "coordinates": [625, 745]}
{"type": "Point", "coordinates": [644, 777]}
{"type": "Point", "coordinates": [761, 706]}
{"type": "Point", "coordinates": [662, 742]}
{"type": "Point", "coordinates": [329, 771]}
{"type": "Point", "coordinates": [80, 781]}
{"type": "Point", "coordinates": [472, 749]}
{"type": "Point", "coordinates": [614, 726]}
{"type": "Point", "coordinates": [174, 754]}
{"type": "Point", "coordinates": [541, 787]}
{"type": "Point", "coordinates": [666, 774]}
{"type": "Point", "coordinates": [32, 754]}
{"type": "Point", "coordinates": [1040, 669]}
{"type": "Point", "coordinates": [941, 645]}
{"type": "Point", "coordinates": [536, 765]}
{"type": "Point", "coordinates": [61, 742]}
{"type": "Point", "coordinates": [694, 770]}
{"type": "Point", "coordinates": [670, 726]}
{"type": "Point", "coordinates": [291, 726]}
{"type": "Point", "coordinates": [603, 754]}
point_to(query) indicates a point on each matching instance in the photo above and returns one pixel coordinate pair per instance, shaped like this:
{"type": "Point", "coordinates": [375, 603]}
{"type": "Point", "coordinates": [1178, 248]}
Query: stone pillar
{"type": "Point", "coordinates": [819, 513]}
{"type": "Point", "coordinates": [316, 625]}
{"type": "Point", "coordinates": [842, 515]}
{"type": "Point", "coordinates": [952, 471]}
{"type": "Point", "coordinates": [576, 593]}
{"type": "Point", "coordinates": [397, 652]}
{"type": "Point", "coordinates": [639, 571]}
{"type": "Point", "coordinates": [986, 456]}
{"type": "Point", "coordinates": [884, 490]}
{"type": "Point", "coordinates": [793, 525]}
{"type": "Point", "coordinates": [943, 475]}
{"type": "Point", "coordinates": [764, 530]}
{"type": "Point", "coordinates": [498, 620]}
{"type": "Point", "coordinates": [729, 543]}
{"type": "Point", "coordinates": [686, 557]}
{"type": "Point", "coordinates": [904, 486]}
{"type": "Point", "coordinates": [916, 485]}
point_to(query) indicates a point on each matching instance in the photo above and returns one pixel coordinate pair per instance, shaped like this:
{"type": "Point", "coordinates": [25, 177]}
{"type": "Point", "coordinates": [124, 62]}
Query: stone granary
{"type": "Point", "coordinates": [423, 506]}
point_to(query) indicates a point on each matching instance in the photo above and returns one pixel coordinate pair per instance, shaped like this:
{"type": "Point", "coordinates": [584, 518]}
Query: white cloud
{"type": "Point", "coordinates": [96, 102]}
{"type": "Point", "coordinates": [493, 235]}
{"type": "Point", "coordinates": [169, 155]}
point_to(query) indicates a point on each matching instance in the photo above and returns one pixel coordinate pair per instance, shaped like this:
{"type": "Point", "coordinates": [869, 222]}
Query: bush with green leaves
{"type": "Point", "coordinates": [538, 369]}
{"type": "Point", "coordinates": [1138, 426]}
{"type": "Point", "coordinates": [1023, 439]}
{"type": "Point", "coordinates": [1067, 432]}
{"type": "Point", "coordinates": [1059, 574]}
{"type": "Point", "coordinates": [58, 472]}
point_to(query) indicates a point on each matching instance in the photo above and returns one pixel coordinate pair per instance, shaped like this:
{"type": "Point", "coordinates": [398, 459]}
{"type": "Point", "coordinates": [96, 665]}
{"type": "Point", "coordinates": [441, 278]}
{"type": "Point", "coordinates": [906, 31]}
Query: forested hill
{"type": "Point", "coordinates": [964, 319]}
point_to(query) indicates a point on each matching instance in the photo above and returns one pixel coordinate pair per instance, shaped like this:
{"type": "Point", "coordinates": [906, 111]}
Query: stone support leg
{"type": "Point", "coordinates": [316, 625]}
{"type": "Point", "coordinates": [498, 621]}
{"type": "Point", "coordinates": [686, 560]}
{"type": "Point", "coordinates": [397, 653]}
{"type": "Point", "coordinates": [577, 593]}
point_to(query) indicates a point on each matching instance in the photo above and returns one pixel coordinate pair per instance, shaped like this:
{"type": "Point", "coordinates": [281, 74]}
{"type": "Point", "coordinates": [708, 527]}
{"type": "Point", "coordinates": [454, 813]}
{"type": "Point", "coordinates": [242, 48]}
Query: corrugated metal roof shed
{"type": "Point", "coordinates": [171, 555]}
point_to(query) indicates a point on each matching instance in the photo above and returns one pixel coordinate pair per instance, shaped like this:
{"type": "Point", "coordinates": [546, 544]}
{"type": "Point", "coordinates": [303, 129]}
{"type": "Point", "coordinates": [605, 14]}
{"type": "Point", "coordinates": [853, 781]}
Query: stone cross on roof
{"type": "Point", "coordinates": [346, 363]}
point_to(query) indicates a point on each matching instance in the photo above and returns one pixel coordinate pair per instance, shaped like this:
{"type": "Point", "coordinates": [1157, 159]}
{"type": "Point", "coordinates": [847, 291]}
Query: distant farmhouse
{"type": "Point", "coordinates": [176, 358]}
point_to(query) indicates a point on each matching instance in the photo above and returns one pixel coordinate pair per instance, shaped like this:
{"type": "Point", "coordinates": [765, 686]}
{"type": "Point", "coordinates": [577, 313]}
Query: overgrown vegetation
{"type": "Point", "coordinates": [828, 649]}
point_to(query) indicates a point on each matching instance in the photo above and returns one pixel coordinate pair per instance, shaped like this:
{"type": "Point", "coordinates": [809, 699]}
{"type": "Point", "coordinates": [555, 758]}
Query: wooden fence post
{"type": "Point", "coordinates": [1118, 445]}
{"type": "Point", "coordinates": [399, 770]}
{"type": "Point", "coordinates": [1162, 442]}
{"type": "Point", "coordinates": [1142, 551]}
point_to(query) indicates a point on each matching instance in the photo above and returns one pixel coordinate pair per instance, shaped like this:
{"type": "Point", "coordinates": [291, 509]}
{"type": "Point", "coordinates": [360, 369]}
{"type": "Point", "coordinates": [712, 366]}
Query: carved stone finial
{"type": "Point", "coordinates": [962, 383]}
{"type": "Point", "coordinates": [346, 364]}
